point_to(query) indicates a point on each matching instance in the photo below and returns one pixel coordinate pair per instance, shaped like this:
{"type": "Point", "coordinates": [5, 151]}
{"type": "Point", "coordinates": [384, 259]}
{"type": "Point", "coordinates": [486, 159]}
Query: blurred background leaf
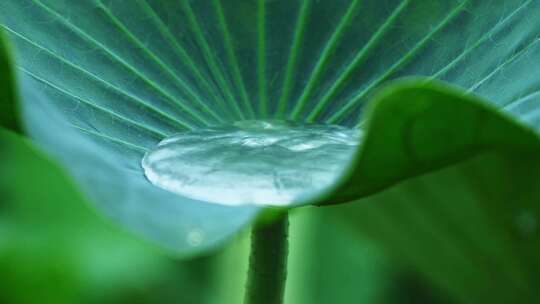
{"type": "Point", "coordinates": [471, 229]}
{"type": "Point", "coordinates": [55, 249]}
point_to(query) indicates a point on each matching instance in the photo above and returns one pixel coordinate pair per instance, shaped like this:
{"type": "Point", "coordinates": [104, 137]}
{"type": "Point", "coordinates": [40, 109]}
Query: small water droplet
{"type": "Point", "coordinates": [526, 223]}
{"type": "Point", "coordinates": [195, 237]}
{"type": "Point", "coordinates": [251, 162]}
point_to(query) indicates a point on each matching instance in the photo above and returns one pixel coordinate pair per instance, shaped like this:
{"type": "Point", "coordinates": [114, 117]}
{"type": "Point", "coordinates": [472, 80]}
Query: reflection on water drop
{"type": "Point", "coordinates": [251, 162]}
{"type": "Point", "coordinates": [526, 223]}
{"type": "Point", "coordinates": [195, 237]}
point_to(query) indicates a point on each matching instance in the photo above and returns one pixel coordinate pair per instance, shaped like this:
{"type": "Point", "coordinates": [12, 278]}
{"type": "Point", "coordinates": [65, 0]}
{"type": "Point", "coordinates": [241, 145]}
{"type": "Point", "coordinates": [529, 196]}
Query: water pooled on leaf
{"type": "Point", "coordinates": [251, 162]}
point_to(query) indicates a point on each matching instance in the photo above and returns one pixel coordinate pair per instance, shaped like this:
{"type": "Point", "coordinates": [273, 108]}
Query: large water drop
{"type": "Point", "coordinates": [252, 162]}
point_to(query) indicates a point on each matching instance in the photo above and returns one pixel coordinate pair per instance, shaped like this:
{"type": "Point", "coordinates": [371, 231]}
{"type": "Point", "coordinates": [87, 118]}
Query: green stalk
{"type": "Point", "coordinates": [268, 263]}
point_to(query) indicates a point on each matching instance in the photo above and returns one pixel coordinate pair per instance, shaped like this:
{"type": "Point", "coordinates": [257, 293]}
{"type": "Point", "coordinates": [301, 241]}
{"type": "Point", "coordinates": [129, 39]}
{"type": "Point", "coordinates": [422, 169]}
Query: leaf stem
{"type": "Point", "coordinates": [268, 263]}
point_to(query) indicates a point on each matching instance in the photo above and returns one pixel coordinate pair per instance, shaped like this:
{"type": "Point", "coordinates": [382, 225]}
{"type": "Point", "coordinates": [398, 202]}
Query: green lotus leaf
{"type": "Point", "coordinates": [103, 81]}
{"type": "Point", "coordinates": [470, 229]}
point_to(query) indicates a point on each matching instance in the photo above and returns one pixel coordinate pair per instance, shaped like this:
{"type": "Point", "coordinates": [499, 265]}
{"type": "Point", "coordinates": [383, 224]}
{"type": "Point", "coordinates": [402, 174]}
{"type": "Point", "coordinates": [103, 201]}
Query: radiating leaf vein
{"type": "Point", "coordinates": [106, 85]}
{"type": "Point", "coordinates": [180, 82]}
{"type": "Point", "coordinates": [156, 87]}
{"type": "Point", "coordinates": [357, 98]}
{"type": "Point", "coordinates": [153, 132]}
{"type": "Point", "coordinates": [360, 58]}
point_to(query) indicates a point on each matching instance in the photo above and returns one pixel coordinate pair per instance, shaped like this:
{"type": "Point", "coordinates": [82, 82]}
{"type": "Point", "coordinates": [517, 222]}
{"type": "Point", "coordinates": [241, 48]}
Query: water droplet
{"type": "Point", "coordinates": [251, 162]}
{"type": "Point", "coordinates": [526, 223]}
{"type": "Point", "coordinates": [195, 237]}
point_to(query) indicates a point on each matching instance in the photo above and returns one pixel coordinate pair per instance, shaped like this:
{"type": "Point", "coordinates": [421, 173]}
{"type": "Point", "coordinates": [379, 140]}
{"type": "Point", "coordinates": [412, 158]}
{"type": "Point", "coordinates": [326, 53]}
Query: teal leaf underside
{"type": "Point", "coordinates": [104, 81]}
